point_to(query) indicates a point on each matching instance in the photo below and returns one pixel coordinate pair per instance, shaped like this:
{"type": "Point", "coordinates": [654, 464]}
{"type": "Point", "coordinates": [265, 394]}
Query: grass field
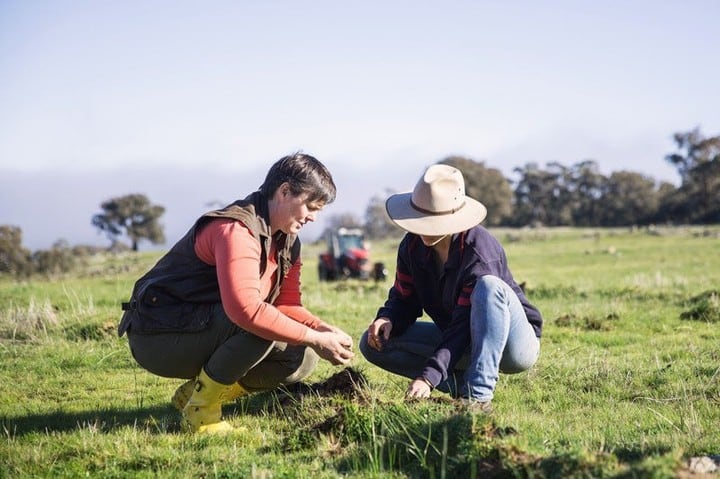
{"type": "Point", "coordinates": [628, 383]}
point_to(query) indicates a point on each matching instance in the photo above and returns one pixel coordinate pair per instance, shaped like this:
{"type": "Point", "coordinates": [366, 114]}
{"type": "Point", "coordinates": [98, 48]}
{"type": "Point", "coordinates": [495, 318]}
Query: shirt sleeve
{"type": "Point", "coordinates": [455, 339]}
{"type": "Point", "coordinates": [235, 253]}
{"type": "Point", "coordinates": [289, 301]}
{"type": "Point", "coordinates": [402, 307]}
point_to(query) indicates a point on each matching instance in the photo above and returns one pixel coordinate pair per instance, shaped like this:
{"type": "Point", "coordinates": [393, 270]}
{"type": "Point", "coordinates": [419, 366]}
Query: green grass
{"type": "Point", "coordinates": [628, 383]}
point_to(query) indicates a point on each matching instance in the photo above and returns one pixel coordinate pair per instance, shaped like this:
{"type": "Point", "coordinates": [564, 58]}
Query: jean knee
{"type": "Point", "coordinates": [487, 286]}
{"type": "Point", "coordinates": [518, 358]}
{"type": "Point", "coordinates": [371, 354]}
{"type": "Point", "coordinates": [364, 347]}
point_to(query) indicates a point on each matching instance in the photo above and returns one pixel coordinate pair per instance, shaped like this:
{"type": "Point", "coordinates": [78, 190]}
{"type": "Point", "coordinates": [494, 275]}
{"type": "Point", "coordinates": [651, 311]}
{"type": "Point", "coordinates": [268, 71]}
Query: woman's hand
{"type": "Point", "coordinates": [329, 327]}
{"type": "Point", "coordinates": [379, 333]}
{"type": "Point", "coordinates": [418, 388]}
{"type": "Point", "coordinates": [332, 346]}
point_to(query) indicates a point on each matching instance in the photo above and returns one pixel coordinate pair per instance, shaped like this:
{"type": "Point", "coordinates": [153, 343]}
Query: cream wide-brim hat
{"type": "Point", "coordinates": [437, 206]}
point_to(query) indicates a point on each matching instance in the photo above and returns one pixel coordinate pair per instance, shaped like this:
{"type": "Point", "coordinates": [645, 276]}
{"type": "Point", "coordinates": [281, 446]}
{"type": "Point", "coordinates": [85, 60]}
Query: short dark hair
{"type": "Point", "coordinates": [304, 174]}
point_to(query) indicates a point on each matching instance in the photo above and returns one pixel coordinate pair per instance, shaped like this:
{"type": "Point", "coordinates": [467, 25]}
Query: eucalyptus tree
{"type": "Point", "coordinates": [698, 163]}
{"type": "Point", "coordinates": [629, 198]}
{"type": "Point", "coordinates": [15, 259]}
{"type": "Point", "coordinates": [585, 184]}
{"type": "Point", "coordinates": [377, 222]}
{"type": "Point", "coordinates": [131, 215]}
{"type": "Point", "coordinates": [487, 185]}
{"type": "Point", "coordinates": [542, 196]}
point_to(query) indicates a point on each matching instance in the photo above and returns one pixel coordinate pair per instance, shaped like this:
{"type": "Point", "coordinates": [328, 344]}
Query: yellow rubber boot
{"type": "Point", "coordinates": [182, 394]}
{"type": "Point", "coordinates": [186, 389]}
{"type": "Point", "coordinates": [203, 410]}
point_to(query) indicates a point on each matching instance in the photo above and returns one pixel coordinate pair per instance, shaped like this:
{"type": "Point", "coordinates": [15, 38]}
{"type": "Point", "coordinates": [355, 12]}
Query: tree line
{"type": "Point", "coordinates": [580, 195]}
{"type": "Point", "coordinates": [133, 216]}
{"type": "Point", "coordinates": [554, 195]}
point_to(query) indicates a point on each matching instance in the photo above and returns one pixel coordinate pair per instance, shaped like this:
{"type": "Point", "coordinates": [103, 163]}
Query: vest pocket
{"type": "Point", "coordinates": [160, 312]}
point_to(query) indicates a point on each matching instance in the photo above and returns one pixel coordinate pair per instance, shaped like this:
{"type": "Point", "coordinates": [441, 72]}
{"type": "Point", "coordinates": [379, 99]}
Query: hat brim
{"type": "Point", "coordinates": [399, 208]}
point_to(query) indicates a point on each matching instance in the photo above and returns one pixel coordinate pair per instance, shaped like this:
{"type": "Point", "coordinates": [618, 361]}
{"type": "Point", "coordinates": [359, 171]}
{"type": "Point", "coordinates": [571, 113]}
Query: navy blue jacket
{"type": "Point", "coordinates": [445, 296]}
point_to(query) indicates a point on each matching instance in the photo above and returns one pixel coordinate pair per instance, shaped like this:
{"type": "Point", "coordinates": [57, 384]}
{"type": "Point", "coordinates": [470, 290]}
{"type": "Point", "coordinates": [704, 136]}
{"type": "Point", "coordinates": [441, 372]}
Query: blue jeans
{"type": "Point", "coordinates": [502, 340]}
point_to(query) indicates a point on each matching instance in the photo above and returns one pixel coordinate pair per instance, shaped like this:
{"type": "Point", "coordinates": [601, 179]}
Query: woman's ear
{"type": "Point", "coordinates": [283, 190]}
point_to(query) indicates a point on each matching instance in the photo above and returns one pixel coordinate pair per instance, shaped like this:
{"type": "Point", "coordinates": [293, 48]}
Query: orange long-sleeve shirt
{"type": "Point", "coordinates": [235, 253]}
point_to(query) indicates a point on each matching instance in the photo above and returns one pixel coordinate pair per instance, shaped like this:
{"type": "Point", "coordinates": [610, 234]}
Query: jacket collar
{"type": "Point", "coordinates": [427, 261]}
{"type": "Point", "coordinates": [457, 245]}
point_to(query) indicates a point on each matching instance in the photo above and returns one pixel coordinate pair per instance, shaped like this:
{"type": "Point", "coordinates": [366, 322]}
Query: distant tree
{"type": "Point", "coordinates": [629, 198]}
{"type": "Point", "coordinates": [530, 193]}
{"type": "Point", "coordinates": [584, 184]}
{"type": "Point", "coordinates": [344, 220]}
{"type": "Point", "coordinates": [542, 196]}
{"type": "Point", "coordinates": [670, 201]}
{"type": "Point", "coordinates": [698, 163]}
{"type": "Point", "coordinates": [57, 260]}
{"type": "Point", "coordinates": [665, 189]}
{"type": "Point", "coordinates": [487, 185]}
{"type": "Point", "coordinates": [14, 258]}
{"type": "Point", "coordinates": [132, 215]}
{"type": "Point", "coordinates": [334, 222]}
{"type": "Point", "coordinates": [377, 222]}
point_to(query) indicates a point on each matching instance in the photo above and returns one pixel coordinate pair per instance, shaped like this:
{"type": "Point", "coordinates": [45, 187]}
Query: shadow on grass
{"type": "Point", "coordinates": [163, 419]}
{"type": "Point", "coordinates": [159, 420]}
{"type": "Point", "coordinates": [166, 419]}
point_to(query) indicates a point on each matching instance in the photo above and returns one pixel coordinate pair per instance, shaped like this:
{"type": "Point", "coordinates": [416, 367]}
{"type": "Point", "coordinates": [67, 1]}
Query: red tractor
{"type": "Point", "coordinates": [347, 257]}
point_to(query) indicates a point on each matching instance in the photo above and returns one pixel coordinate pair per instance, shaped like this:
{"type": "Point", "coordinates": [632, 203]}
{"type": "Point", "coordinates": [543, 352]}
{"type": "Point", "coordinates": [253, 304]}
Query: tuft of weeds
{"type": "Point", "coordinates": [587, 323]}
{"type": "Point", "coordinates": [96, 330]}
{"type": "Point", "coordinates": [703, 307]}
{"type": "Point", "coordinates": [29, 322]}
{"type": "Point", "coordinates": [557, 292]}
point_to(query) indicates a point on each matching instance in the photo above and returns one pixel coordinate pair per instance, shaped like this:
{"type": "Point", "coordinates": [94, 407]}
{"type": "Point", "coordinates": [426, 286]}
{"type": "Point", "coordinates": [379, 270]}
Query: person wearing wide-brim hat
{"type": "Point", "coordinates": [452, 269]}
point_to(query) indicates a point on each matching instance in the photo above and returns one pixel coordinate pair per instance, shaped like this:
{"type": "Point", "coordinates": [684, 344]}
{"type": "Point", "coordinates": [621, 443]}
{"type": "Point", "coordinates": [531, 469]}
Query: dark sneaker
{"type": "Point", "coordinates": [474, 406]}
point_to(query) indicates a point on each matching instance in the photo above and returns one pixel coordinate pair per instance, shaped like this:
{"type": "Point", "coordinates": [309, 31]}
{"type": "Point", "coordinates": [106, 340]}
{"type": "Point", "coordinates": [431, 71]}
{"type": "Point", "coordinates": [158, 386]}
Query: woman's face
{"type": "Point", "coordinates": [289, 213]}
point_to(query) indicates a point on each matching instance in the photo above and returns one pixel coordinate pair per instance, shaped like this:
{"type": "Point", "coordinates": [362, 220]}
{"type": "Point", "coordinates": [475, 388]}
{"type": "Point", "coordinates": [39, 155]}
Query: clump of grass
{"type": "Point", "coordinates": [587, 323]}
{"type": "Point", "coordinates": [79, 308]}
{"type": "Point", "coordinates": [436, 438]}
{"type": "Point", "coordinates": [557, 292]}
{"type": "Point", "coordinates": [703, 307]}
{"type": "Point", "coordinates": [95, 330]}
{"type": "Point", "coordinates": [419, 439]}
{"type": "Point", "coordinates": [28, 322]}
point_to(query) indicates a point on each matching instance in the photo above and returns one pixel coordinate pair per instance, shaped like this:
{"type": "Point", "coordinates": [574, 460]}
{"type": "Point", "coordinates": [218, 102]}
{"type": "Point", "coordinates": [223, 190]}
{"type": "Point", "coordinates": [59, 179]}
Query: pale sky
{"type": "Point", "coordinates": [191, 102]}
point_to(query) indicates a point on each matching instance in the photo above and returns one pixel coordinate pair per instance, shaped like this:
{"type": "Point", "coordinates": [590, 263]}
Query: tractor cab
{"type": "Point", "coordinates": [346, 256]}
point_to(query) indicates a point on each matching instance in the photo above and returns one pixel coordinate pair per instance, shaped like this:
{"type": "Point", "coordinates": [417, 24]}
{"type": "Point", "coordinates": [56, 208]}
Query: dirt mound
{"type": "Point", "coordinates": [348, 382]}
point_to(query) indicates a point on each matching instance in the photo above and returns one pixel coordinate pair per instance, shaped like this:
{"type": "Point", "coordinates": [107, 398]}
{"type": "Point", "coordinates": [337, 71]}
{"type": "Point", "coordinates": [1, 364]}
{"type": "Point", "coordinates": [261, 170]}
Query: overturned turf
{"type": "Point", "coordinates": [348, 382]}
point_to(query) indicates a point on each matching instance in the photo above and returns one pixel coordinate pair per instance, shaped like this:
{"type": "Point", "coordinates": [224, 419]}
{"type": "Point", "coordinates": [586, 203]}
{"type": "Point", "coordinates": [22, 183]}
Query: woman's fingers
{"type": "Point", "coordinates": [375, 341]}
{"type": "Point", "coordinates": [418, 389]}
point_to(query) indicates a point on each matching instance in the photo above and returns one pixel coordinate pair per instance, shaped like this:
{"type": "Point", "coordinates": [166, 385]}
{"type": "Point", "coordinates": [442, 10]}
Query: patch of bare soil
{"type": "Point", "coordinates": [349, 382]}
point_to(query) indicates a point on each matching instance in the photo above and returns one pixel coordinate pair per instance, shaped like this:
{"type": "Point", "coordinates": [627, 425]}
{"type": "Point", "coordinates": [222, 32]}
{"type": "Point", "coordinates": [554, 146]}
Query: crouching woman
{"type": "Point", "coordinates": [222, 308]}
{"type": "Point", "coordinates": [455, 271]}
